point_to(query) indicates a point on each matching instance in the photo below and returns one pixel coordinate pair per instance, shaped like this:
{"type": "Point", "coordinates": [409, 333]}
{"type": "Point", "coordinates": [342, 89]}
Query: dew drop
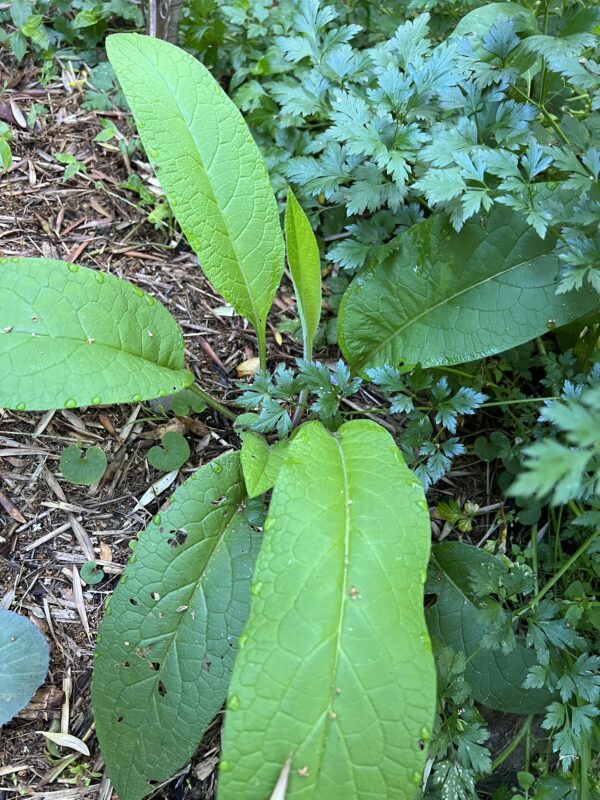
{"type": "Point", "coordinates": [70, 403]}
{"type": "Point", "coordinates": [256, 589]}
{"type": "Point", "coordinates": [242, 640]}
{"type": "Point", "coordinates": [233, 704]}
{"type": "Point", "coordinates": [73, 267]}
{"type": "Point", "coordinates": [21, 407]}
{"type": "Point", "coordinates": [423, 575]}
{"type": "Point", "coordinates": [96, 400]}
{"type": "Point", "coordinates": [217, 468]}
{"type": "Point", "coordinates": [157, 519]}
{"type": "Point", "coordinates": [422, 504]}
{"type": "Point", "coordinates": [416, 777]}
{"type": "Point", "coordinates": [132, 560]}
{"type": "Point", "coordinates": [225, 766]}
{"type": "Point", "coordinates": [150, 300]}
{"type": "Point", "coordinates": [425, 734]}
{"type": "Point", "coordinates": [268, 524]}
{"type": "Point", "coordinates": [133, 544]}
{"type": "Point", "coordinates": [426, 642]}
{"type": "Point", "coordinates": [100, 277]}
{"type": "Point", "coordinates": [138, 291]}
{"type": "Point", "coordinates": [137, 398]}
{"type": "Point", "coordinates": [124, 580]}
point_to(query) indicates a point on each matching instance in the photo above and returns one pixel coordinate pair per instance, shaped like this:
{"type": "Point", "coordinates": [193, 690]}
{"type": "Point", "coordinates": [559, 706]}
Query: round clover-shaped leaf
{"type": "Point", "coordinates": [185, 401]}
{"type": "Point", "coordinates": [90, 573]}
{"type": "Point", "coordinates": [23, 663]}
{"type": "Point", "coordinates": [82, 468]}
{"type": "Point", "coordinates": [172, 454]}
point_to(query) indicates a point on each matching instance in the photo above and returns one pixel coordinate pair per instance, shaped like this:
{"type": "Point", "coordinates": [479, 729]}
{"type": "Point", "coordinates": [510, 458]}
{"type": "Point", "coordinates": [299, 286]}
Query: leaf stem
{"type": "Point", "coordinates": [554, 580]}
{"type": "Point", "coordinates": [261, 335]}
{"type": "Point", "coordinates": [513, 745]}
{"type": "Point", "coordinates": [212, 402]}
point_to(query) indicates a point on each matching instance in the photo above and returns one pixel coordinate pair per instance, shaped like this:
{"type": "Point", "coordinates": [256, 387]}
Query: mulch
{"type": "Point", "coordinates": [48, 527]}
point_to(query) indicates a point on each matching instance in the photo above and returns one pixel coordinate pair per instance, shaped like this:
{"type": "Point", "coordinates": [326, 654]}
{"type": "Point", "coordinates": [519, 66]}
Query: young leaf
{"type": "Point", "coordinates": [70, 336]}
{"type": "Point", "coordinates": [261, 462]}
{"type": "Point", "coordinates": [172, 453]}
{"type": "Point", "coordinates": [335, 667]}
{"type": "Point", "coordinates": [23, 663]}
{"type": "Point", "coordinates": [168, 639]}
{"type": "Point", "coordinates": [305, 267]}
{"type": "Point", "coordinates": [82, 468]}
{"type": "Point", "coordinates": [456, 620]}
{"type": "Point", "coordinates": [447, 298]}
{"type": "Point", "coordinates": [91, 573]}
{"type": "Point", "coordinates": [209, 168]}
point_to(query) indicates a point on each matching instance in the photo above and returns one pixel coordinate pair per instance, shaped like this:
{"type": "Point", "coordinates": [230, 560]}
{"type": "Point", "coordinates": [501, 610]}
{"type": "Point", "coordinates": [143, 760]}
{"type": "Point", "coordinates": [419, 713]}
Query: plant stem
{"type": "Point", "coordinates": [518, 402]}
{"type": "Point", "coordinates": [212, 402]}
{"type": "Point", "coordinates": [553, 581]}
{"type": "Point", "coordinates": [261, 335]}
{"type": "Point", "coordinates": [513, 745]}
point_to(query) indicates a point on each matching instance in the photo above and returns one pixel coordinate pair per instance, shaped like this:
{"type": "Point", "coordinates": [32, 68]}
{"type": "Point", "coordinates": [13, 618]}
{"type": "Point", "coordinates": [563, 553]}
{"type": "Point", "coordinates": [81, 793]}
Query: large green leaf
{"type": "Point", "coordinates": [168, 639]}
{"type": "Point", "coordinates": [305, 268]}
{"type": "Point", "coordinates": [261, 462]}
{"type": "Point", "coordinates": [447, 298]}
{"type": "Point", "coordinates": [457, 621]}
{"type": "Point", "coordinates": [335, 668]}
{"type": "Point", "coordinates": [70, 336]}
{"type": "Point", "coordinates": [23, 663]}
{"type": "Point", "coordinates": [209, 168]}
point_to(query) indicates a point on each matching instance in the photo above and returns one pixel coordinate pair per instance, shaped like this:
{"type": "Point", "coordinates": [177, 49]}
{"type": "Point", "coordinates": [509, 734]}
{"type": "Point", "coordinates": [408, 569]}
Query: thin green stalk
{"type": "Point", "coordinates": [554, 580]}
{"type": "Point", "coordinates": [212, 402]}
{"type": "Point", "coordinates": [513, 745]}
{"type": "Point", "coordinates": [261, 335]}
{"type": "Point", "coordinates": [584, 765]}
{"type": "Point", "coordinates": [519, 402]}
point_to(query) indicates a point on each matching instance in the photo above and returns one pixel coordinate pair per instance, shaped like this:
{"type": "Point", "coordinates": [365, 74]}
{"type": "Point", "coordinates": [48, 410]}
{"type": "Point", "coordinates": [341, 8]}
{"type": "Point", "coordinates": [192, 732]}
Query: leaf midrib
{"type": "Point", "coordinates": [28, 336]}
{"type": "Point", "coordinates": [397, 331]}
{"type": "Point", "coordinates": [257, 319]}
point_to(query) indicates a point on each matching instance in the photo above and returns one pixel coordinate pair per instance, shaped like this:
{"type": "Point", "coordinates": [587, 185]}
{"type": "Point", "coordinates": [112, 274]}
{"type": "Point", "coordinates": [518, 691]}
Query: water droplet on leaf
{"type": "Point", "coordinates": [256, 589]}
{"type": "Point", "coordinates": [233, 704]}
{"type": "Point", "coordinates": [70, 403]}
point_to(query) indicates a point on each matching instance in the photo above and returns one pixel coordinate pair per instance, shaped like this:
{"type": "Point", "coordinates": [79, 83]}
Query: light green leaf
{"type": "Point", "coordinates": [335, 665]}
{"type": "Point", "coordinates": [261, 462]}
{"type": "Point", "coordinates": [172, 453]}
{"type": "Point", "coordinates": [447, 298]}
{"type": "Point", "coordinates": [168, 640]}
{"type": "Point", "coordinates": [305, 267]}
{"type": "Point", "coordinates": [70, 336]}
{"type": "Point", "coordinates": [209, 168]}
{"type": "Point", "coordinates": [81, 468]}
{"type": "Point", "coordinates": [496, 678]}
{"type": "Point", "coordinates": [477, 23]}
{"type": "Point", "coordinates": [23, 663]}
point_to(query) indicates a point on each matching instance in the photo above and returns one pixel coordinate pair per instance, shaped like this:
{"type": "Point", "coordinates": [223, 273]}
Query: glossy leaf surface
{"type": "Point", "coordinates": [261, 462]}
{"type": "Point", "coordinates": [496, 678]}
{"type": "Point", "coordinates": [335, 665]}
{"type": "Point", "coordinates": [23, 662]}
{"type": "Point", "coordinates": [71, 336]}
{"type": "Point", "coordinates": [305, 268]}
{"type": "Point", "coordinates": [169, 637]}
{"type": "Point", "coordinates": [448, 298]}
{"type": "Point", "coordinates": [208, 166]}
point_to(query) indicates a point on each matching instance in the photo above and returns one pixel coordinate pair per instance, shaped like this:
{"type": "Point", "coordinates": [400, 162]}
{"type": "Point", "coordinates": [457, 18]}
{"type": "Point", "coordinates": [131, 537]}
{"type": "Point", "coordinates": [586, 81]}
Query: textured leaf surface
{"type": "Point", "coordinates": [495, 678]}
{"type": "Point", "coordinates": [208, 166]}
{"type": "Point", "coordinates": [335, 667]}
{"type": "Point", "coordinates": [448, 298]}
{"type": "Point", "coordinates": [168, 640]}
{"type": "Point", "coordinates": [261, 462]}
{"type": "Point", "coordinates": [305, 268]}
{"type": "Point", "coordinates": [23, 663]}
{"type": "Point", "coordinates": [71, 336]}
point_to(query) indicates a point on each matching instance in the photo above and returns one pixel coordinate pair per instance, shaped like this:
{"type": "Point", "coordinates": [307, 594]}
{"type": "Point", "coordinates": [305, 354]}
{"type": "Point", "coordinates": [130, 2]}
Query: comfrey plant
{"type": "Point", "coordinates": [308, 621]}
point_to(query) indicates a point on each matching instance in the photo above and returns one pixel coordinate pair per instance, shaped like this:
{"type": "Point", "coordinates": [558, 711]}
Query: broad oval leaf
{"type": "Point", "coordinates": [83, 468]}
{"type": "Point", "coordinates": [71, 336]}
{"type": "Point", "coordinates": [335, 664]}
{"type": "Point", "coordinates": [261, 462]}
{"type": "Point", "coordinates": [305, 268]}
{"type": "Point", "coordinates": [168, 639]}
{"type": "Point", "coordinates": [495, 678]}
{"type": "Point", "coordinates": [23, 663]}
{"type": "Point", "coordinates": [209, 168]}
{"type": "Point", "coordinates": [478, 22]}
{"type": "Point", "coordinates": [447, 298]}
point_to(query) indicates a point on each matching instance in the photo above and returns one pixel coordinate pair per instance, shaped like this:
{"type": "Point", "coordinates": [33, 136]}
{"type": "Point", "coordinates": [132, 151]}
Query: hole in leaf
{"type": "Point", "coordinates": [119, 719]}
{"type": "Point", "coordinates": [133, 601]}
{"type": "Point", "coordinates": [155, 665]}
{"type": "Point", "coordinates": [162, 690]}
{"type": "Point", "coordinates": [179, 538]}
{"type": "Point", "coordinates": [126, 664]}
